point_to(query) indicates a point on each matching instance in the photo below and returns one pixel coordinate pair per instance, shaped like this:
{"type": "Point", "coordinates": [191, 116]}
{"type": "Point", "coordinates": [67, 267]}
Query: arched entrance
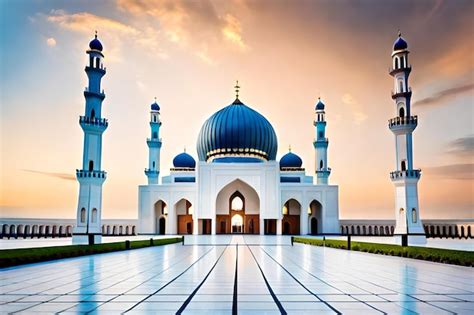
{"type": "Point", "coordinates": [162, 226]}
{"type": "Point", "coordinates": [315, 212]}
{"type": "Point", "coordinates": [184, 212]}
{"type": "Point", "coordinates": [237, 209]}
{"type": "Point", "coordinates": [161, 211]}
{"type": "Point", "coordinates": [291, 217]}
{"type": "Point", "coordinates": [314, 226]}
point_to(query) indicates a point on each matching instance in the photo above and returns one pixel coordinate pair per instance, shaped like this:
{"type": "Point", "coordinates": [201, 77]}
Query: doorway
{"type": "Point", "coordinates": [314, 226]}
{"type": "Point", "coordinates": [162, 226]}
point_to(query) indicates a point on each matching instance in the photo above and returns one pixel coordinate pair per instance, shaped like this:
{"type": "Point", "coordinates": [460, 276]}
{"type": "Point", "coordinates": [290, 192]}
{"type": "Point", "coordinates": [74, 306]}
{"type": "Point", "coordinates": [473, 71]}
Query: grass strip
{"type": "Point", "coordinates": [447, 256]}
{"type": "Point", "coordinates": [20, 256]}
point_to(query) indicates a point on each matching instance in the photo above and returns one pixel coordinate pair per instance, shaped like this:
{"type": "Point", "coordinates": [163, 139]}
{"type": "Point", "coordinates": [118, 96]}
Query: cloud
{"type": "Point", "coordinates": [116, 33]}
{"type": "Point", "coordinates": [359, 115]}
{"type": "Point", "coordinates": [51, 42]}
{"type": "Point", "coordinates": [51, 174]}
{"type": "Point", "coordinates": [453, 171]}
{"type": "Point", "coordinates": [194, 25]}
{"type": "Point", "coordinates": [462, 146]}
{"type": "Point", "coordinates": [445, 95]}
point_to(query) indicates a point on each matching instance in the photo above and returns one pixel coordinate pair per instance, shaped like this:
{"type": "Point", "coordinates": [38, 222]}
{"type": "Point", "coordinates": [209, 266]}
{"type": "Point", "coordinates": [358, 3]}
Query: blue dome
{"type": "Point", "coordinates": [237, 133]}
{"type": "Point", "coordinates": [184, 160]}
{"type": "Point", "coordinates": [319, 105]}
{"type": "Point", "coordinates": [291, 160]}
{"type": "Point", "coordinates": [155, 106]}
{"type": "Point", "coordinates": [95, 44]}
{"type": "Point", "coordinates": [400, 43]}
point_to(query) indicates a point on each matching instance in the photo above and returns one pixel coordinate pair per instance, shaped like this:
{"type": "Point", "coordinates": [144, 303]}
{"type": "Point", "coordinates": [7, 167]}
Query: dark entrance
{"type": "Point", "coordinates": [189, 227]}
{"type": "Point", "coordinates": [206, 226]}
{"type": "Point", "coordinates": [286, 228]}
{"type": "Point", "coordinates": [314, 226]}
{"type": "Point", "coordinates": [270, 226]}
{"type": "Point", "coordinates": [162, 224]}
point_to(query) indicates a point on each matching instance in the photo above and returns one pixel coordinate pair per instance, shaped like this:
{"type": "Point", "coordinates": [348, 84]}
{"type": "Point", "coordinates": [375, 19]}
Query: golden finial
{"type": "Point", "coordinates": [289, 148]}
{"type": "Point", "coordinates": [399, 33]}
{"type": "Point", "coordinates": [96, 34]}
{"type": "Point", "coordinates": [155, 99]}
{"type": "Point", "coordinates": [237, 88]}
{"type": "Point", "coordinates": [184, 149]}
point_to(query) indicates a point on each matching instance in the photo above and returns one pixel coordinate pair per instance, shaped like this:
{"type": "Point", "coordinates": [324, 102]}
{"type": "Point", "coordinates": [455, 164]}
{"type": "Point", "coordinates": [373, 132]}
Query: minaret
{"type": "Point", "coordinates": [91, 177]}
{"type": "Point", "coordinates": [321, 146]}
{"type": "Point", "coordinates": [154, 145]}
{"type": "Point", "coordinates": [405, 177]}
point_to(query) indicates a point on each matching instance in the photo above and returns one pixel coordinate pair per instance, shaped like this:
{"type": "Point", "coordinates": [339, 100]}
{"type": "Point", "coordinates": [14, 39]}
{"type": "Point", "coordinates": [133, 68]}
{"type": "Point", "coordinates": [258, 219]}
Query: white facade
{"type": "Point", "coordinates": [275, 197]}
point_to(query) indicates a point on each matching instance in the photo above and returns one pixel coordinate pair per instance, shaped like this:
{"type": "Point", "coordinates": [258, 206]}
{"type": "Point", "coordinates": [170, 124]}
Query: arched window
{"type": "Point", "coordinates": [401, 112]}
{"type": "Point", "coordinates": [92, 113]}
{"type": "Point", "coordinates": [91, 166]}
{"type": "Point", "coordinates": [153, 164]}
{"type": "Point", "coordinates": [97, 62]}
{"type": "Point", "coordinates": [321, 134]}
{"type": "Point", "coordinates": [413, 215]}
{"type": "Point", "coordinates": [237, 203]}
{"type": "Point", "coordinates": [396, 63]}
{"type": "Point", "coordinates": [154, 118]}
{"type": "Point", "coordinates": [83, 215]}
{"type": "Point", "coordinates": [321, 164]}
{"type": "Point", "coordinates": [91, 61]}
{"type": "Point", "coordinates": [404, 166]}
{"type": "Point", "coordinates": [402, 62]}
{"type": "Point", "coordinates": [155, 134]}
{"type": "Point", "coordinates": [401, 86]}
{"type": "Point", "coordinates": [94, 215]}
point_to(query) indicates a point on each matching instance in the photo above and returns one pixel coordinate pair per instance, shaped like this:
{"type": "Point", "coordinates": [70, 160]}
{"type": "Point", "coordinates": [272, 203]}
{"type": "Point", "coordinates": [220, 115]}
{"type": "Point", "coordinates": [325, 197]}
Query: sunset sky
{"type": "Point", "coordinates": [189, 53]}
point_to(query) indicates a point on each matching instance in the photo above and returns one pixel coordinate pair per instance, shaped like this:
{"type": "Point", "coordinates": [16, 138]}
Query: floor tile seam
{"type": "Point", "coordinates": [269, 288]}
{"type": "Point", "coordinates": [190, 297]}
{"type": "Point", "coordinates": [171, 281]}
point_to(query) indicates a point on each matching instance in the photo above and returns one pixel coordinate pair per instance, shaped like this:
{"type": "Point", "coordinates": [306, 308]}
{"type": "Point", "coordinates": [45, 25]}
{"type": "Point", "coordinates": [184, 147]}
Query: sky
{"type": "Point", "coordinates": [188, 55]}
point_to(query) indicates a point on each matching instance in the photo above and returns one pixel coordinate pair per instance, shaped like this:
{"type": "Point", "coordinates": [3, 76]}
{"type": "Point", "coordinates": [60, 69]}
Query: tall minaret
{"type": "Point", "coordinates": [91, 177]}
{"type": "Point", "coordinates": [405, 177]}
{"type": "Point", "coordinates": [154, 145]}
{"type": "Point", "coordinates": [321, 146]}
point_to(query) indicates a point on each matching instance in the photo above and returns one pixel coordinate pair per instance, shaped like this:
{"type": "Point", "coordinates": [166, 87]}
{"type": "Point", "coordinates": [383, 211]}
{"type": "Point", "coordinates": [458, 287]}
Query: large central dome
{"type": "Point", "coordinates": [237, 133]}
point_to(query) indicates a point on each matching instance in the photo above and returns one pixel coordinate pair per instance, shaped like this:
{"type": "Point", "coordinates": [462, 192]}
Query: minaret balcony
{"type": "Point", "coordinates": [393, 71]}
{"type": "Point", "coordinates": [401, 125]}
{"type": "Point", "coordinates": [93, 122]}
{"type": "Point", "coordinates": [101, 70]}
{"type": "Point", "coordinates": [405, 94]}
{"type": "Point", "coordinates": [407, 174]}
{"type": "Point", "coordinates": [154, 142]}
{"type": "Point", "coordinates": [323, 171]}
{"type": "Point", "coordinates": [151, 173]}
{"type": "Point", "coordinates": [91, 174]}
{"type": "Point", "coordinates": [321, 142]}
{"type": "Point", "coordinates": [98, 94]}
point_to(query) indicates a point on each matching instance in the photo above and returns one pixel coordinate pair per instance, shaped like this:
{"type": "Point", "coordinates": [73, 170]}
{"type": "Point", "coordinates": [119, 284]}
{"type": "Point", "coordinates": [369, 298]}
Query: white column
{"type": "Point", "coordinates": [304, 222]}
{"type": "Point", "coordinates": [279, 227]}
{"type": "Point", "coordinates": [195, 225]}
{"type": "Point", "coordinates": [262, 226]}
{"type": "Point", "coordinates": [213, 226]}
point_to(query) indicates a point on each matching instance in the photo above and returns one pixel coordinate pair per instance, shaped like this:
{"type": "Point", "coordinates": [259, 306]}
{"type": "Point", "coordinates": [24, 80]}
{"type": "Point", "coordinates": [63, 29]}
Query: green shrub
{"type": "Point", "coordinates": [13, 257]}
{"type": "Point", "coordinates": [458, 257]}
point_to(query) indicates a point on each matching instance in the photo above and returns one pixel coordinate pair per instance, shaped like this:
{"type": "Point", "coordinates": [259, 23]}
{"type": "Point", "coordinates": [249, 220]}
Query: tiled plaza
{"type": "Point", "coordinates": [245, 274]}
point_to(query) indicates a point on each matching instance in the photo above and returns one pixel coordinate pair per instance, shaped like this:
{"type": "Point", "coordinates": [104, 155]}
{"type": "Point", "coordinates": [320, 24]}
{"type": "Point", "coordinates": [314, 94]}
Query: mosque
{"type": "Point", "coordinates": [238, 185]}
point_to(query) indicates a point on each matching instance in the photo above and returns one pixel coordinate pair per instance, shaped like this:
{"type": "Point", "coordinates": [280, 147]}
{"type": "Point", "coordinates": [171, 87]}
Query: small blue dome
{"type": "Point", "coordinates": [155, 106]}
{"type": "Point", "coordinates": [235, 134]}
{"type": "Point", "coordinates": [291, 160]}
{"type": "Point", "coordinates": [184, 160]}
{"type": "Point", "coordinates": [95, 44]}
{"type": "Point", "coordinates": [319, 105]}
{"type": "Point", "coordinates": [400, 43]}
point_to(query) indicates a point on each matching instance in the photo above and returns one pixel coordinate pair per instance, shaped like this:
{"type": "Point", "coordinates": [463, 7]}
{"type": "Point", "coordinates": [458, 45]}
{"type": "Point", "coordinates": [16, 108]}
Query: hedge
{"type": "Point", "coordinates": [447, 256]}
{"type": "Point", "coordinates": [20, 256]}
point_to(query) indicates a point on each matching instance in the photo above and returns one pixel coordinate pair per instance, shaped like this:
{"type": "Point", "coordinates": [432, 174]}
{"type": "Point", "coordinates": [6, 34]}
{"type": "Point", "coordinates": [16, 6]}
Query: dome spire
{"type": "Point", "coordinates": [237, 89]}
{"type": "Point", "coordinates": [399, 33]}
{"type": "Point", "coordinates": [289, 148]}
{"type": "Point", "coordinates": [95, 34]}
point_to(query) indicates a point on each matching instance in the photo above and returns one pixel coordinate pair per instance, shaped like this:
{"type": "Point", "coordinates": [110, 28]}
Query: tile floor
{"type": "Point", "coordinates": [247, 274]}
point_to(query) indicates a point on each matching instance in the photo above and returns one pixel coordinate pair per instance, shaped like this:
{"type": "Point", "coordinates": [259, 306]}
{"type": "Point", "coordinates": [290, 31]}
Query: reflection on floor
{"type": "Point", "coordinates": [247, 273]}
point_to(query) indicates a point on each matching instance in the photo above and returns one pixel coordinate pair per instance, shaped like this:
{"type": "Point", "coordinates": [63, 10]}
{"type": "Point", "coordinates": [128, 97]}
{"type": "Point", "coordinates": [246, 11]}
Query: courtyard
{"type": "Point", "coordinates": [235, 273]}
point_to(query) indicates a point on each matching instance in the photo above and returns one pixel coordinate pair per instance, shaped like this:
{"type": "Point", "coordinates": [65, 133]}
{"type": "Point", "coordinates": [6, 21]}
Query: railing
{"type": "Point", "coordinates": [87, 90]}
{"type": "Point", "coordinates": [405, 174]}
{"type": "Point", "coordinates": [93, 121]}
{"type": "Point", "coordinates": [393, 70]}
{"type": "Point", "coordinates": [403, 121]}
{"type": "Point", "coordinates": [90, 174]}
{"type": "Point", "coordinates": [324, 170]}
{"type": "Point", "coordinates": [153, 139]}
{"type": "Point", "coordinates": [401, 93]}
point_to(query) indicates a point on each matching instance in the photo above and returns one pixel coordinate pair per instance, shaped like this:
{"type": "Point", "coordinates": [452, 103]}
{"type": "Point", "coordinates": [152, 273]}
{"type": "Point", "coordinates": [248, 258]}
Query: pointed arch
{"type": "Point", "coordinates": [184, 213]}
{"type": "Point", "coordinates": [315, 212]}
